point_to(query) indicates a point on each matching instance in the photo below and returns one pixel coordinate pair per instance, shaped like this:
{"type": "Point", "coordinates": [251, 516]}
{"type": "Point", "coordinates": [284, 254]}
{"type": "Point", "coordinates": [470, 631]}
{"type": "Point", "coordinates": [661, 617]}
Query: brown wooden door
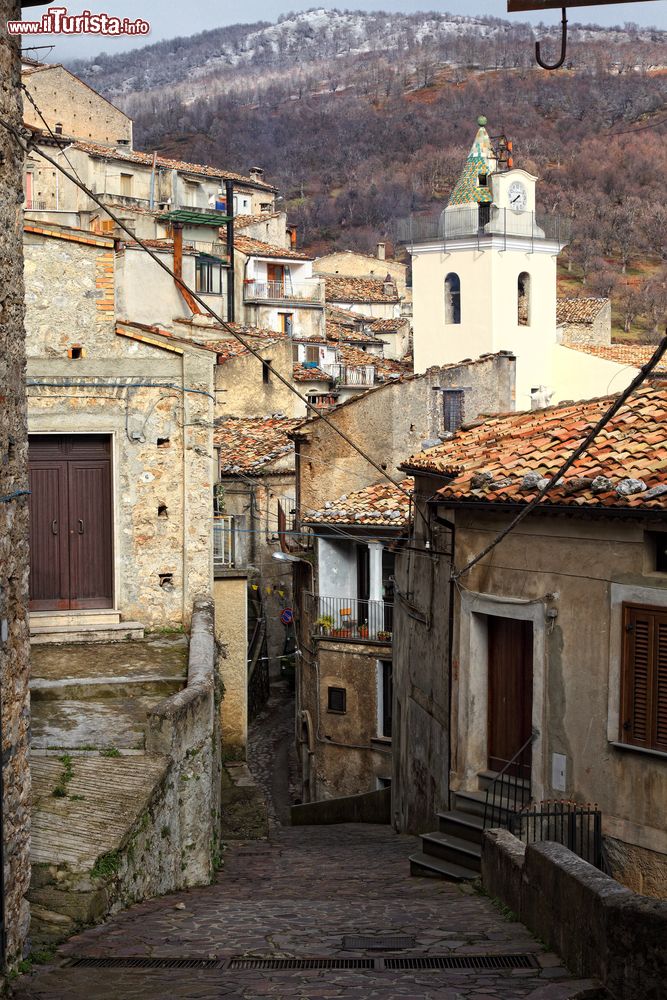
{"type": "Point", "coordinates": [510, 690]}
{"type": "Point", "coordinates": [70, 523]}
{"type": "Point", "coordinates": [275, 276]}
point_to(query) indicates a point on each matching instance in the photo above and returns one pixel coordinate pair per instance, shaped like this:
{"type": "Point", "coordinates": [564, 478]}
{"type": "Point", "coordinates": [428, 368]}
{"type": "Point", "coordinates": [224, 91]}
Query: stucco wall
{"type": "Point", "coordinates": [577, 375]}
{"type": "Point", "coordinates": [81, 112]}
{"type": "Point", "coordinates": [14, 636]}
{"type": "Point", "coordinates": [231, 629]}
{"type": "Point", "coordinates": [242, 392]}
{"type": "Point", "coordinates": [147, 294]}
{"type": "Point", "coordinates": [580, 572]}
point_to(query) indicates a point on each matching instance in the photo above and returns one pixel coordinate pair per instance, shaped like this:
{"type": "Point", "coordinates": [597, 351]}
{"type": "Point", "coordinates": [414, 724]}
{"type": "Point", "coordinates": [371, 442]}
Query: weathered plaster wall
{"type": "Point", "coordinates": [580, 570]}
{"type": "Point", "coordinates": [359, 265]}
{"type": "Point", "coordinates": [242, 392]}
{"type": "Point", "coordinates": [81, 112]}
{"type": "Point", "coordinates": [391, 423]}
{"type": "Point", "coordinates": [14, 636]}
{"type": "Point", "coordinates": [231, 629]}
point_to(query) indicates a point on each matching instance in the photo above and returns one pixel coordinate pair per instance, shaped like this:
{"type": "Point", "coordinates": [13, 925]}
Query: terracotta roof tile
{"type": "Point", "coordinates": [247, 444]}
{"type": "Point", "coordinates": [503, 458]}
{"type": "Point", "coordinates": [337, 332]}
{"type": "Point", "coordinates": [579, 310]}
{"type": "Point", "coordinates": [339, 288]}
{"type": "Point", "coordinates": [354, 357]}
{"type": "Point", "coordinates": [146, 159]}
{"type": "Point", "coordinates": [303, 374]}
{"type": "Point", "coordinates": [381, 504]}
{"type": "Point", "coordinates": [257, 248]}
{"type": "Point", "coordinates": [243, 221]}
{"type": "Point", "coordinates": [386, 325]}
{"type": "Point", "coordinates": [635, 355]}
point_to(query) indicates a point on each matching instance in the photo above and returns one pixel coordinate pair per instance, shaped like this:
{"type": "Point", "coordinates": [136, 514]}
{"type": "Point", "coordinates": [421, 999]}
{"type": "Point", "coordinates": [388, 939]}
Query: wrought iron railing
{"type": "Point", "coordinates": [509, 791]}
{"type": "Point", "coordinates": [223, 541]}
{"type": "Point", "coordinates": [283, 290]}
{"type": "Point", "coordinates": [35, 206]}
{"type": "Point", "coordinates": [352, 618]}
{"type": "Point", "coordinates": [479, 221]}
{"type": "Point", "coordinates": [576, 826]}
{"type": "Point", "coordinates": [344, 375]}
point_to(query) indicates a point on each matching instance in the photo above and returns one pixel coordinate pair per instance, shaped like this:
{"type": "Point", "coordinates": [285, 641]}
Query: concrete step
{"type": "Point", "coordinates": [55, 619]}
{"type": "Point", "coordinates": [426, 866]}
{"type": "Point", "coordinates": [475, 804]}
{"type": "Point", "coordinates": [455, 849]}
{"type": "Point", "coordinates": [485, 780]}
{"type": "Point", "coordinates": [111, 632]}
{"type": "Point", "coordinates": [465, 826]}
{"type": "Point", "coordinates": [96, 688]}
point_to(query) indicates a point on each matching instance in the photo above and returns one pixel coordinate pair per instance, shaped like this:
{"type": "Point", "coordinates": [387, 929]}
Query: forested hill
{"type": "Point", "coordinates": [362, 118]}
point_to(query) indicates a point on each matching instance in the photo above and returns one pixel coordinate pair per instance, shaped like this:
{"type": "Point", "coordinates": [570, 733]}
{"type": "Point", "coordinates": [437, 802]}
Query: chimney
{"type": "Point", "coordinates": [388, 286]}
{"type": "Point", "coordinates": [256, 174]}
{"type": "Point", "coordinates": [292, 237]}
{"type": "Point", "coordinates": [381, 251]}
{"type": "Point", "coordinates": [122, 144]}
{"type": "Point", "coordinates": [58, 128]}
{"type": "Point", "coordinates": [178, 249]}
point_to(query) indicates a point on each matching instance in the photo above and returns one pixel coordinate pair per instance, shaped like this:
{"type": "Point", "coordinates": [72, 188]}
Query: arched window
{"type": "Point", "coordinates": [452, 298]}
{"type": "Point", "coordinates": [523, 314]}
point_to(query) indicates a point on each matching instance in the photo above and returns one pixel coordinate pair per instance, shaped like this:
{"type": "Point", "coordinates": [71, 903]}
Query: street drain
{"type": "Point", "coordinates": [390, 942]}
{"type": "Point", "coordinates": [287, 964]}
{"type": "Point", "coordinates": [146, 963]}
{"type": "Point", "coordinates": [462, 962]}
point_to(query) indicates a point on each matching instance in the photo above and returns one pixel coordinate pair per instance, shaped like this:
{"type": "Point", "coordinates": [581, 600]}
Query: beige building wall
{"type": "Point", "coordinates": [577, 375]}
{"type": "Point", "coordinates": [242, 392]}
{"type": "Point", "coordinates": [361, 265]}
{"type": "Point", "coordinates": [376, 310]}
{"type": "Point", "coordinates": [161, 436]}
{"type": "Point", "coordinates": [570, 578]}
{"type": "Point", "coordinates": [64, 99]}
{"type": "Point", "coordinates": [231, 630]}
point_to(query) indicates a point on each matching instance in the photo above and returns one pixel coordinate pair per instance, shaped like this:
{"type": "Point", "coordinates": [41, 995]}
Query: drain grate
{"type": "Point", "coordinates": [146, 963]}
{"type": "Point", "coordinates": [462, 962]}
{"type": "Point", "coordinates": [287, 964]}
{"type": "Point", "coordinates": [366, 942]}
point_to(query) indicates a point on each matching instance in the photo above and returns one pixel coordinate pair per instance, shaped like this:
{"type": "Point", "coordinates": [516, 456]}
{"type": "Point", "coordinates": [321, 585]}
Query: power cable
{"type": "Point", "coordinates": [641, 376]}
{"type": "Point", "coordinates": [27, 144]}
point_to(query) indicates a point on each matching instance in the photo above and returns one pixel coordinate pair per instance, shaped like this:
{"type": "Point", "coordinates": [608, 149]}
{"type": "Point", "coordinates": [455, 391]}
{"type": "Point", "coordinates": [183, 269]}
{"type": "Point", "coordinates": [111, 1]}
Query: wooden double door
{"type": "Point", "coordinates": [71, 551]}
{"type": "Point", "coordinates": [510, 681]}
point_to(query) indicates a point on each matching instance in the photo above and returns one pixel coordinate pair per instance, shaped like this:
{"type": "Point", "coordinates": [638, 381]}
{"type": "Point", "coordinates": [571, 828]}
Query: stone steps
{"type": "Point", "coordinates": [104, 632]}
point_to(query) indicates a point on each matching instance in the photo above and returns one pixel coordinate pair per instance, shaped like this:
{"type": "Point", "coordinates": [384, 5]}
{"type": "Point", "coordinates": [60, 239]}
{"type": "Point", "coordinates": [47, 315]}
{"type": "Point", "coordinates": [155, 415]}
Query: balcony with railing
{"type": "Point", "coordinates": [34, 206]}
{"type": "Point", "coordinates": [351, 619]}
{"type": "Point", "coordinates": [363, 375]}
{"type": "Point", "coordinates": [480, 221]}
{"type": "Point", "coordinates": [283, 291]}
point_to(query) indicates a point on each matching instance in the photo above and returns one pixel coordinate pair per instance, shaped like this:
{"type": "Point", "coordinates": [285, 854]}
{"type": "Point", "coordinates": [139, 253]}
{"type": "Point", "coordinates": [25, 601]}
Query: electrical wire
{"type": "Point", "coordinates": [27, 144]}
{"type": "Point", "coordinates": [618, 403]}
{"type": "Point", "coordinates": [14, 495]}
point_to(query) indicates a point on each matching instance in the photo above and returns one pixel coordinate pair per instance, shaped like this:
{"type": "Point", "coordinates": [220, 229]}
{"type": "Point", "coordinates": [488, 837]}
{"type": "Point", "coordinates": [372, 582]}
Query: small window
{"type": "Point", "coordinates": [657, 541]}
{"type": "Point", "coordinates": [208, 277]}
{"type": "Point", "coordinates": [287, 323]}
{"type": "Point", "coordinates": [312, 353]}
{"type": "Point", "coordinates": [337, 700]}
{"type": "Point", "coordinates": [386, 691]}
{"type": "Point", "coordinates": [483, 180]}
{"type": "Point", "coordinates": [644, 678]}
{"type": "Point", "coordinates": [126, 185]}
{"type": "Point", "coordinates": [452, 299]}
{"type": "Point", "coordinates": [266, 372]}
{"type": "Point", "coordinates": [295, 353]}
{"type": "Point", "coordinates": [452, 404]}
{"type": "Point", "coordinates": [523, 291]}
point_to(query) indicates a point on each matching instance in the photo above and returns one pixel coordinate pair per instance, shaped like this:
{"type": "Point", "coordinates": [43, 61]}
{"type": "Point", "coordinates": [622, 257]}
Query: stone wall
{"type": "Point", "coordinates": [242, 392]}
{"type": "Point", "coordinates": [14, 641]}
{"type": "Point", "coordinates": [231, 628]}
{"type": "Point", "coordinates": [596, 332]}
{"type": "Point", "coordinates": [361, 265]}
{"type": "Point", "coordinates": [597, 926]}
{"type": "Point", "coordinates": [62, 98]}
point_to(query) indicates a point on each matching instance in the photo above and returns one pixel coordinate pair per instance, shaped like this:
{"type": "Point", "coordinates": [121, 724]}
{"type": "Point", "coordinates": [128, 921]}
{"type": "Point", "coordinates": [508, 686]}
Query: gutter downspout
{"type": "Point", "coordinates": [178, 268]}
{"type": "Point", "coordinates": [229, 198]}
{"type": "Point", "coordinates": [152, 191]}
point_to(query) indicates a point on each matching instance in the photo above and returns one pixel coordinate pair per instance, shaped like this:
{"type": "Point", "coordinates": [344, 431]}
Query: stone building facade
{"type": "Point", "coordinates": [14, 636]}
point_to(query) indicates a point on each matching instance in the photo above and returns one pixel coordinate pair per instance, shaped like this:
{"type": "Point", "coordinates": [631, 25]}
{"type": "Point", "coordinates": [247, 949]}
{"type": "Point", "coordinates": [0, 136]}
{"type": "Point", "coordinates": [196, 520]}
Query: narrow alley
{"type": "Point", "coordinates": [299, 895]}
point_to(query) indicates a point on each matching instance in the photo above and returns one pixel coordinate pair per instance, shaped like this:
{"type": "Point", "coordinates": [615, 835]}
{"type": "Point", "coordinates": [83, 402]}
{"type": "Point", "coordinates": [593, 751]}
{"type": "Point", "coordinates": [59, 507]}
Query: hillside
{"type": "Point", "coordinates": [361, 119]}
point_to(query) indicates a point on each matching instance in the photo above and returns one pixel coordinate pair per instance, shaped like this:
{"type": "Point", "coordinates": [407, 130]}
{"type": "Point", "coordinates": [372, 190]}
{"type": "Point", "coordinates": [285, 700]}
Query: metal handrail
{"type": "Point", "coordinates": [504, 778]}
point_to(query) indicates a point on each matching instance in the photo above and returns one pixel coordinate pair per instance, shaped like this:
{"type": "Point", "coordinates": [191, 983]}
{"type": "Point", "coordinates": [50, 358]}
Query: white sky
{"type": "Point", "coordinates": [168, 21]}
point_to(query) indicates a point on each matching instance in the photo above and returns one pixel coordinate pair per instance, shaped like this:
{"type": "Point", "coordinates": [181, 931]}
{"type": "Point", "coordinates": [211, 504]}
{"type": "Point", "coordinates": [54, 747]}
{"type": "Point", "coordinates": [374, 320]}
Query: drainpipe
{"type": "Point", "coordinates": [451, 526]}
{"type": "Point", "coordinates": [229, 198]}
{"type": "Point", "coordinates": [177, 228]}
{"type": "Point", "coordinates": [152, 193]}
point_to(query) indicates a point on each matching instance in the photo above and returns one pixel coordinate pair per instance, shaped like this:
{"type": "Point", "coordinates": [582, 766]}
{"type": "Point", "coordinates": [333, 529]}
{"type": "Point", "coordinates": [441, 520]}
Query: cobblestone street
{"type": "Point", "coordinates": [297, 895]}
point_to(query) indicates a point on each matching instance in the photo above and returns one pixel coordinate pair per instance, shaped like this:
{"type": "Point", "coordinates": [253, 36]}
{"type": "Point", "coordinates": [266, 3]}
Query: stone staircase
{"type": "Point", "coordinates": [454, 850]}
{"type": "Point", "coordinates": [97, 625]}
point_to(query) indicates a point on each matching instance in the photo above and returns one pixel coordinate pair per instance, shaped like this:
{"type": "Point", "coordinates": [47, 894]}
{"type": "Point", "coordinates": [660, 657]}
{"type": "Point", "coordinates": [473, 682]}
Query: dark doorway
{"type": "Point", "coordinates": [510, 691]}
{"type": "Point", "coordinates": [71, 560]}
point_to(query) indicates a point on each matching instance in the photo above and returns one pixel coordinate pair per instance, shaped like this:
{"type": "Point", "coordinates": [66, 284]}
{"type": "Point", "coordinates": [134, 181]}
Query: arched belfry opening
{"type": "Point", "coordinates": [452, 299]}
{"type": "Point", "coordinates": [523, 299]}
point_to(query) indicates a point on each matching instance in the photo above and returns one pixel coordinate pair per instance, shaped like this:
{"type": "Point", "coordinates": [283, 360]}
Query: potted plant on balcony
{"type": "Point", "coordinates": [363, 630]}
{"type": "Point", "coordinates": [324, 623]}
{"type": "Point", "coordinates": [384, 636]}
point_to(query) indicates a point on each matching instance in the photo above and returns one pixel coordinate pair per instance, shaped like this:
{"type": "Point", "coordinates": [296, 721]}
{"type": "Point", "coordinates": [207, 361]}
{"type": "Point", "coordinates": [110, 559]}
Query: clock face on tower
{"type": "Point", "coordinates": [517, 196]}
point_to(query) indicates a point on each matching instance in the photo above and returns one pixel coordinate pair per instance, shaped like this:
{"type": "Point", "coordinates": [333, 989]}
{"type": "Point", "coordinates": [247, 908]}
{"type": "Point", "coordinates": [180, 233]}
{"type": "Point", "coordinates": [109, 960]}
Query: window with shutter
{"type": "Point", "coordinates": [644, 693]}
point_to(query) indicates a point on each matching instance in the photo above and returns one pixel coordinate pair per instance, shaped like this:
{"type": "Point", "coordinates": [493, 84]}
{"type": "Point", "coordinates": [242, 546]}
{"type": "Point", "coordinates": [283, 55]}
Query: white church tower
{"type": "Point", "coordinates": [484, 274]}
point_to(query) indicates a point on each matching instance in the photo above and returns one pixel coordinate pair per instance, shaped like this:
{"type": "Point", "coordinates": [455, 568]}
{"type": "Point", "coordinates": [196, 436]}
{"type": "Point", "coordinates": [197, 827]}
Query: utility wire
{"type": "Point", "coordinates": [27, 144]}
{"type": "Point", "coordinates": [641, 376]}
{"type": "Point", "coordinates": [60, 143]}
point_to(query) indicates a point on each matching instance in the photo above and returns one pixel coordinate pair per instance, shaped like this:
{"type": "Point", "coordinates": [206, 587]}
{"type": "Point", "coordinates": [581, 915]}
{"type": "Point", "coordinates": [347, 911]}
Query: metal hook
{"type": "Point", "coordinates": [563, 46]}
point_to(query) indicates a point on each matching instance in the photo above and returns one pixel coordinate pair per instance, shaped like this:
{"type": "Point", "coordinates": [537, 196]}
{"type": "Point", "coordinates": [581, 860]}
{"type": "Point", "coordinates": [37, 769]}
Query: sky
{"type": "Point", "coordinates": [170, 20]}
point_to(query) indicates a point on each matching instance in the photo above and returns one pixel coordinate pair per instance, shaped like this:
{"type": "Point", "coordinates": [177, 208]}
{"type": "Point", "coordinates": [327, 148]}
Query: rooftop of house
{"type": "Point", "coordinates": [346, 317]}
{"type": "Point", "coordinates": [146, 333]}
{"type": "Point", "coordinates": [248, 444]}
{"type": "Point", "coordinates": [146, 159]}
{"type": "Point", "coordinates": [362, 253]}
{"type": "Point", "coordinates": [579, 310]}
{"type": "Point", "coordinates": [257, 248]}
{"type": "Point", "coordinates": [302, 374]}
{"type": "Point", "coordinates": [354, 357]}
{"type": "Point", "coordinates": [381, 504]}
{"type": "Point", "coordinates": [387, 325]}
{"type": "Point", "coordinates": [509, 459]}
{"type": "Point", "coordinates": [339, 288]}
{"type": "Point", "coordinates": [635, 355]}
{"type": "Point", "coordinates": [243, 221]}
{"type": "Point", "coordinates": [337, 332]}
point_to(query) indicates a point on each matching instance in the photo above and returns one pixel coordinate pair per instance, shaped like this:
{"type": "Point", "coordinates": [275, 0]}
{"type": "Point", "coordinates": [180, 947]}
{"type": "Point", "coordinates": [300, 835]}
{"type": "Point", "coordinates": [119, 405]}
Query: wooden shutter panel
{"type": "Point", "coordinates": [644, 699]}
{"type": "Point", "coordinates": [661, 685]}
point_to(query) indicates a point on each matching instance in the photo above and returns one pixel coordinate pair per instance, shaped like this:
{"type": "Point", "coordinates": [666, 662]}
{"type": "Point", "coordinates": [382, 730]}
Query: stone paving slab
{"type": "Point", "coordinates": [80, 724]}
{"type": "Point", "coordinates": [298, 894]}
{"type": "Point", "coordinates": [163, 655]}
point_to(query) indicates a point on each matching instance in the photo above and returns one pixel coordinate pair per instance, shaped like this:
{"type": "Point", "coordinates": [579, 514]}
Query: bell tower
{"type": "Point", "coordinates": [484, 270]}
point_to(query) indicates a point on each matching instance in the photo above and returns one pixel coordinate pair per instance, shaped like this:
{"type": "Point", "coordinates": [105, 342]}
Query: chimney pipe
{"type": "Point", "coordinates": [381, 251]}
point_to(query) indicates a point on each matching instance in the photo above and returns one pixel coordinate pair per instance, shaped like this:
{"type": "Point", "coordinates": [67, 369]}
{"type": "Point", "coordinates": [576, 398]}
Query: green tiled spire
{"type": "Point", "coordinates": [481, 160]}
